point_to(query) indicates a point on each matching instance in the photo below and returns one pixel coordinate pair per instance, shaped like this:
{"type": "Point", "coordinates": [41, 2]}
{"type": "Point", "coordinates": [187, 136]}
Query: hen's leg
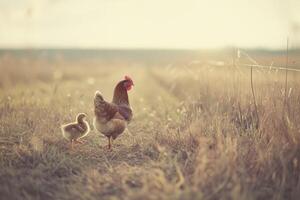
{"type": "Point", "coordinates": [109, 142]}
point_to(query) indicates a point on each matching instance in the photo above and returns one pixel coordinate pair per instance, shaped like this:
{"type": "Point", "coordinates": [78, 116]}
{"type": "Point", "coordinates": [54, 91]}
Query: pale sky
{"type": "Point", "coordinates": [149, 23]}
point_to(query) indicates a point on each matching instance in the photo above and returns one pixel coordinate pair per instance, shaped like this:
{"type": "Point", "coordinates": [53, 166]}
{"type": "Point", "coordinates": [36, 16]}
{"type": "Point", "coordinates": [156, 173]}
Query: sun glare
{"type": "Point", "coordinates": [149, 24]}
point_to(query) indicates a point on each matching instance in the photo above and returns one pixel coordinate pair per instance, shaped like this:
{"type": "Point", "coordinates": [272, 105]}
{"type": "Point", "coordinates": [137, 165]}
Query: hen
{"type": "Point", "coordinates": [111, 119]}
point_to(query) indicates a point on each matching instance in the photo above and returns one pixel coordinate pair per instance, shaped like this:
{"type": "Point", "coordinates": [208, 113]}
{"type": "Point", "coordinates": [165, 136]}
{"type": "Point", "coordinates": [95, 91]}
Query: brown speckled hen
{"type": "Point", "coordinates": [111, 119]}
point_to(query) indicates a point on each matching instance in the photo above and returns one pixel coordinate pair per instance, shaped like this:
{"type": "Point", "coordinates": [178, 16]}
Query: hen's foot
{"type": "Point", "coordinates": [107, 148]}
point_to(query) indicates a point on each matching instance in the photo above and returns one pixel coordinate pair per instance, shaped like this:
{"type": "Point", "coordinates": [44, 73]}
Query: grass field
{"type": "Point", "coordinates": [195, 132]}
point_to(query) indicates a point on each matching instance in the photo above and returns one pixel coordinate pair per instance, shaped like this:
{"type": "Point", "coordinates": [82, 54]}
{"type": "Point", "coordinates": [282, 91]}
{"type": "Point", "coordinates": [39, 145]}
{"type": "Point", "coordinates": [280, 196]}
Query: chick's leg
{"type": "Point", "coordinates": [72, 144]}
{"type": "Point", "coordinates": [79, 141]}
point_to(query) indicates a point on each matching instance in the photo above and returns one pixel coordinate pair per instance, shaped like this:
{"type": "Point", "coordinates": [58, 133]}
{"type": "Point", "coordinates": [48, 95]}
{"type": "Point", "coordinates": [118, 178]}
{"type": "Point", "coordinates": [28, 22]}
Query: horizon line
{"type": "Point", "coordinates": [145, 48]}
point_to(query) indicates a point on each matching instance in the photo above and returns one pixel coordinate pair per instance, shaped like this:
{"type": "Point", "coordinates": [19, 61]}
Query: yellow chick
{"type": "Point", "coordinates": [76, 130]}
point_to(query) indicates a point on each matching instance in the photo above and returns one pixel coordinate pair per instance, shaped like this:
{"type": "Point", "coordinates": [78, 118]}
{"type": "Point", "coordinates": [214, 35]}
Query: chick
{"type": "Point", "coordinates": [76, 130]}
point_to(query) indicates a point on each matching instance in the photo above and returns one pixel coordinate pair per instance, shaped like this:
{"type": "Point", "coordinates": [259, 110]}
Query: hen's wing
{"type": "Point", "coordinates": [104, 111]}
{"type": "Point", "coordinates": [125, 111]}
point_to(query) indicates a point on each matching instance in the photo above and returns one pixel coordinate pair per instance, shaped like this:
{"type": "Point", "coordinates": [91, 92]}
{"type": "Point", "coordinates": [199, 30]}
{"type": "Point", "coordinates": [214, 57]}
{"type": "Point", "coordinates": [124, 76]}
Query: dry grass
{"type": "Point", "coordinates": [194, 133]}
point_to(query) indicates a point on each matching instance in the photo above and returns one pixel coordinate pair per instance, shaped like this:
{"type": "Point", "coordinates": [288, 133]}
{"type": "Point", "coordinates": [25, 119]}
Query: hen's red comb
{"type": "Point", "coordinates": [127, 78]}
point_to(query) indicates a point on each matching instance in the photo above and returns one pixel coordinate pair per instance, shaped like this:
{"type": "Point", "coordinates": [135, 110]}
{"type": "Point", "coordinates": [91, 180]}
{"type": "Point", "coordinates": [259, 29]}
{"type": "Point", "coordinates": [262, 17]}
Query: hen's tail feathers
{"type": "Point", "coordinates": [98, 94]}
